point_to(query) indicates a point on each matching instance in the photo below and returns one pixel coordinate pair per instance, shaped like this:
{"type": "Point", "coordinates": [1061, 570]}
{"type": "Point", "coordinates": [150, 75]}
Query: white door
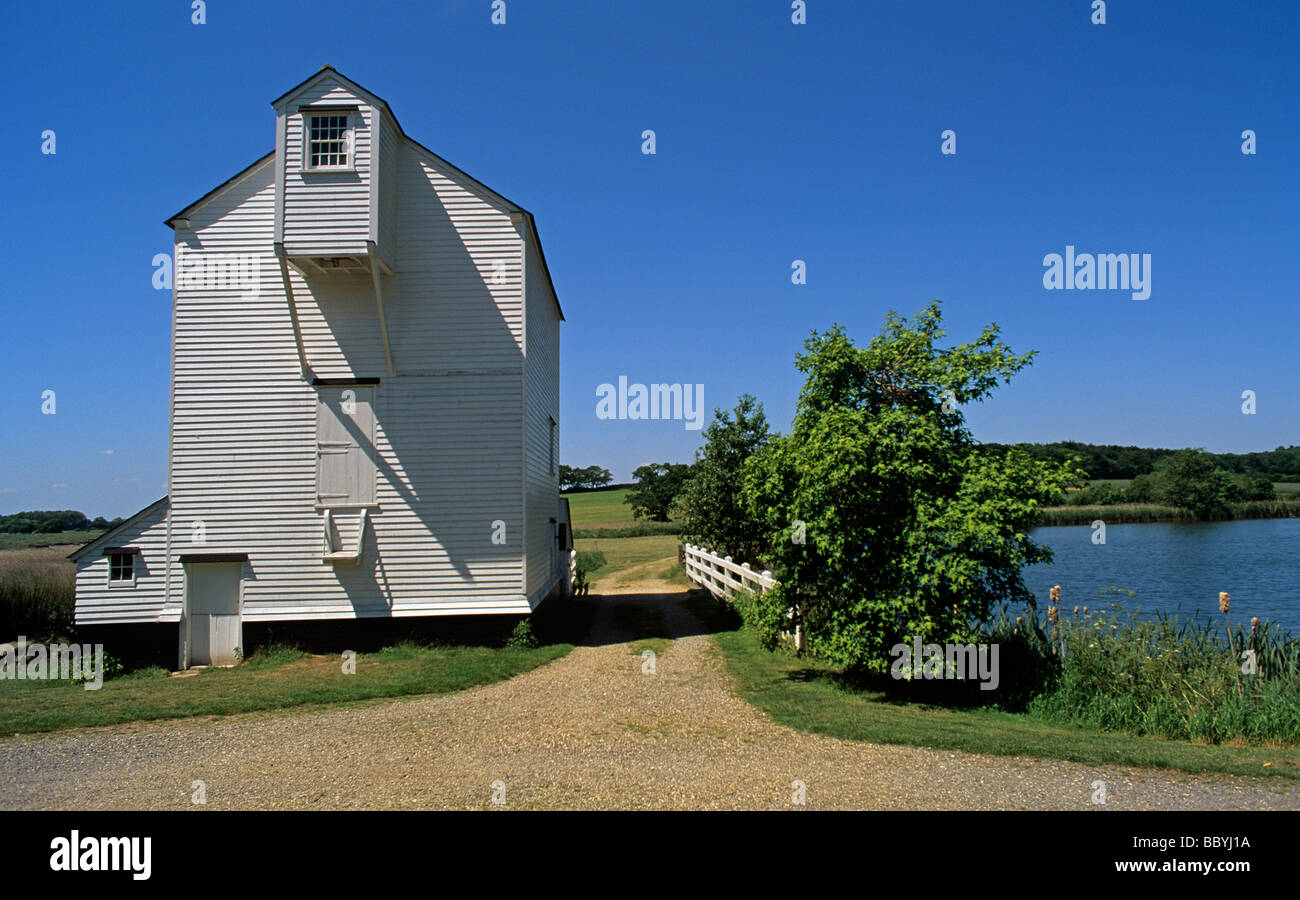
{"type": "Point", "coordinates": [212, 590]}
{"type": "Point", "coordinates": [345, 434]}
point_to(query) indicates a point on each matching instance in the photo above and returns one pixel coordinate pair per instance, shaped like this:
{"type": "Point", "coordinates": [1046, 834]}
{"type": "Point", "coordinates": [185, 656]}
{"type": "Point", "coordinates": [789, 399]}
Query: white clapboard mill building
{"type": "Point", "coordinates": [364, 396]}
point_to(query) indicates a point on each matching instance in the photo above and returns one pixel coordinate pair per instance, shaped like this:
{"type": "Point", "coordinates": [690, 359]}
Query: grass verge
{"type": "Point", "coordinates": [808, 695]}
{"type": "Point", "coordinates": [278, 678]}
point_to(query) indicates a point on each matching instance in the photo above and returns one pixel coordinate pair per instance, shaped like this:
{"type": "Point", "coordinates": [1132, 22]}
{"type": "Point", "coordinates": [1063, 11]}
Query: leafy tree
{"type": "Point", "coordinates": [1190, 480]}
{"type": "Point", "coordinates": [589, 477]}
{"type": "Point", "coordinates": [658, 486]}
{"type": "Point", "coordinates": [1142, 489]}
{"type": "Point", "coordinates": [909, 527]}
{"type": "Point", "coordinates": [711, 501]}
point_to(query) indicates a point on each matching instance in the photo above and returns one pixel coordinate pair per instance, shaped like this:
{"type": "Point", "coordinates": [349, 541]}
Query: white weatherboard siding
{"type": "Point", "coordinates": [447, 426]}
{"type": "Point", "coordinates": [97, 600]}
{"type": "Point", "coordinates": [327, 213]}
{"type": "Point", "coordinates": [385, 229]}
{"type": "Point", "coordinates": [456, 435]}
{"type": "Point", "coordinates": [542, 451]}
{"type": "Point", "coordinates": [458, 294]}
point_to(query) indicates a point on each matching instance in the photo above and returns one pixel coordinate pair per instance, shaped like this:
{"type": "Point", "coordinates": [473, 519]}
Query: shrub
{"type": "Point", "coordinates": [522, 638]}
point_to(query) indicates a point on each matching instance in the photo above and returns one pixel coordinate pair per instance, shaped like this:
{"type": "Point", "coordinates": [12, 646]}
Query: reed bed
{"type": "Point", "coordinates": [36, 594]}
{"type": "Point", "coordinates": [1152, 512]}
{"type": "Point", "coordinates": [1115, 670]}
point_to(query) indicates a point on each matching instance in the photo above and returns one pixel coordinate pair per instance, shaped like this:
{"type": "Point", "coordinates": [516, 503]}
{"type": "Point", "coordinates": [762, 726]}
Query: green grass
{"type": "Point", "coordinates": [640, 529]}
{"type": "Point", "coordinates": [277, 679]}
{"type": "Point", "coordinates": [606, 511]}
{"type": "Point", "coordinates": [23, 541]}
{"type": "Point", "coordinates": [600, 509]}
{"type": "Point", "coordinates": [807, 695]}
{"type": "Point", "coordinates": [624, 553]}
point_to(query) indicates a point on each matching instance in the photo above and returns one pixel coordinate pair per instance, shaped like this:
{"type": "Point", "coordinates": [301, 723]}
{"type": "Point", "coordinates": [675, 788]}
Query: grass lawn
{"type": "Point", "coordinates": [279, 679]}
{"type": "Point", "coordinates": [804, 694]}
{"type": "Point", "coordinates": [625, 553]}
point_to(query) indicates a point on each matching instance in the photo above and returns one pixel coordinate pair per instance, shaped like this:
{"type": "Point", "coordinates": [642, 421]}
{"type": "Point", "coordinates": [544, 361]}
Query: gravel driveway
{"type": "Point", "coordinates": [589, 731]}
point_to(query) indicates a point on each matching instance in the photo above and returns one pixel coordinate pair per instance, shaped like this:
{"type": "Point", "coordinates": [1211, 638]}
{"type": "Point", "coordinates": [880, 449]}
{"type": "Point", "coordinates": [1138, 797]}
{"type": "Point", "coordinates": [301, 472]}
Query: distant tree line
{"type": "Point", "coordinates": [1111, 461]}
{"type": "Point", "coordinates": [51, 521]}
{"type": "Point", "coordinates": [1189, 479]}
{"type": "Point", "coordinates": [587, 478]}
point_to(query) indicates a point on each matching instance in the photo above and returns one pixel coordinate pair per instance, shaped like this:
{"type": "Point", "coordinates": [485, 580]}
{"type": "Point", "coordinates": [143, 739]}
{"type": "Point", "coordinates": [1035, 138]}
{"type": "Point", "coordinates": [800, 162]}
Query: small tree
{"type": "Point", "coordinates": [712, 509]}
{"type": "Point", "coordinates": [1190, 480]}
{"type": "Point", "coordinates": [658, 485]}
{"type": "Point", "coordinates": [886, 519]}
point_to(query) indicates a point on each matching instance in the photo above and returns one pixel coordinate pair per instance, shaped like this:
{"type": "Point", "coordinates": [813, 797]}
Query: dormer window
{"type": "Point", "coordinates": [329, 141]}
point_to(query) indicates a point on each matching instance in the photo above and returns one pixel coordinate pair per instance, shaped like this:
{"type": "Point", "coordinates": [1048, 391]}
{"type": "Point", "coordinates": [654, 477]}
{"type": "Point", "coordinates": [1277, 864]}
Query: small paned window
{"type": "Point", "coordinates": [121, 567]}
{"type": "Point", "coordinates": [327, 142]}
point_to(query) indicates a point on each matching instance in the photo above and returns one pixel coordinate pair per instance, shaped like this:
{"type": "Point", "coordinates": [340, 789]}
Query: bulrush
{"type": "Point", "coordinates": [1225, 603]}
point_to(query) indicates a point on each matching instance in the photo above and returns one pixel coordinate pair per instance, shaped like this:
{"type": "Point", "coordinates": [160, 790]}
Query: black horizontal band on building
{"type": "Point", "coordinates": [109, 551]}
{"type": "Point", "coordinates": [342, 382]}
{"type": "Point", "coordinates": [213, 557]}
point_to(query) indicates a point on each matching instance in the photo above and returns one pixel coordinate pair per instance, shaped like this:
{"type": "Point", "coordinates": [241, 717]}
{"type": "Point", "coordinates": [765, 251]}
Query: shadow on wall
{"type": "Point", "coordinates": [455, 431]}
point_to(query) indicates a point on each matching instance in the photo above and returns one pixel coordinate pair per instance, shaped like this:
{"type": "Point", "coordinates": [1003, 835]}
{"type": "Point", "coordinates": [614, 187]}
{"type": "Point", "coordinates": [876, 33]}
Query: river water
{"type": "Point", "coordinates": [1179, 567]}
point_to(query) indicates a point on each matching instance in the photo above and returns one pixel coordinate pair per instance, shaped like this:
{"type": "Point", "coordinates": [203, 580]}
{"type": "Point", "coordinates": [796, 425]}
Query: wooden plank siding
{"type": "Point", "coordinates": [326, 213]}
{"type": "Point", "coordinates": [542, 459]}
{"type": "Point", "coordinates": [457, 434]}
{"type": "Point", "coordinates": [97, 600]}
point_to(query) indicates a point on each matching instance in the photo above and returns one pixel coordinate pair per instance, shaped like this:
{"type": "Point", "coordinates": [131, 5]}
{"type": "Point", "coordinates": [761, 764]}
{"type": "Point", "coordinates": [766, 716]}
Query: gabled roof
{"type": "Point", "coordinates": [328, 71]}
{"type": "Point", "coordinates": [184, 213]}
{"type": "Point", "coordinates": [103, 540]}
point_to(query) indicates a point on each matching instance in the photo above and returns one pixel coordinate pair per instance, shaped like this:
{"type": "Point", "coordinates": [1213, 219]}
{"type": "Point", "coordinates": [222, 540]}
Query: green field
{"type": "Point", "coordinates": [23, 541]}
{"type": "Point", "coordinates": [600, 509]}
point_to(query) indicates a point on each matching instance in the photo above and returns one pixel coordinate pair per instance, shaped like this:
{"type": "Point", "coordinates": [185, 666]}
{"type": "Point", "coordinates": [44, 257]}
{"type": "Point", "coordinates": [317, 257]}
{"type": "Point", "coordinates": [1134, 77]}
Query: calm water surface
{"type": "Point", "coordinates": [1179, 567]}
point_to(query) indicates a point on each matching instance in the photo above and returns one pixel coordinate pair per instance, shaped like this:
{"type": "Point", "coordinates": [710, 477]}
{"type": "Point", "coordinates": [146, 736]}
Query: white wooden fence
{"type": "Point", "coordinates": [720, 576]}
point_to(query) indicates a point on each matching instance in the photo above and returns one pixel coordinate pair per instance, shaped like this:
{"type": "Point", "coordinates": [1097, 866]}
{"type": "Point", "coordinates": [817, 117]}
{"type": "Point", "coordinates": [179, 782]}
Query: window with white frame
{"type": "Point", "coordinates": [328, 141]}
{"type": "Point", "coordinates": [121, 567]}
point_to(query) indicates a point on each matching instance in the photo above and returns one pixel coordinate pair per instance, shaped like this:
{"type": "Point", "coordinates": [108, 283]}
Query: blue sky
{"type": "Point", "coordinates": [775, 142]}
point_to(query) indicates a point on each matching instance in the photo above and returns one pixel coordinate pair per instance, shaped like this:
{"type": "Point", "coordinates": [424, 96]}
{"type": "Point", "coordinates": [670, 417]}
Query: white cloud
{"type": "Point", "coordinates": [61, 484]}
{"type": "Point", "coordinates": [105, 452]}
